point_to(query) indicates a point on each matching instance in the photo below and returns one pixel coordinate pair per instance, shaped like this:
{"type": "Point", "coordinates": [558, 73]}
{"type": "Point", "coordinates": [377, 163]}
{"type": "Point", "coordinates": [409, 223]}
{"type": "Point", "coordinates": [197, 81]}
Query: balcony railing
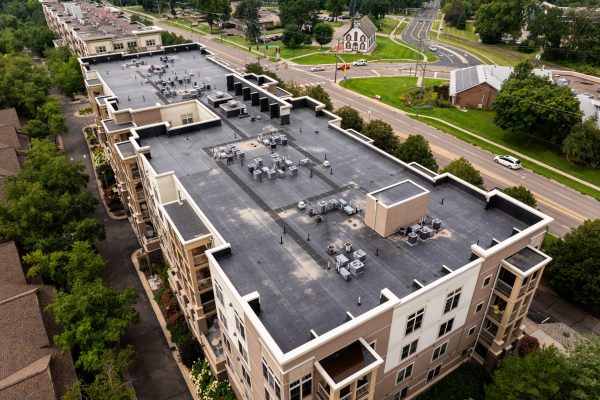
{"type": "Point", "coordinates": [362, 391]}
{"type": "Point", "coordinates": [504, 288]}
{"type": "Point", "coordinates": [204, 283]}
{"type": "Point", "coordinates": [209, 306]}
{"type": "Point", "coordinates": [200, 259]}
{"type": "Point", "coordinates": [495, 313]}
{"type": "Point", "coordinates": [346, 397]}
{"type": "Point", "coordinates": [486, 337]}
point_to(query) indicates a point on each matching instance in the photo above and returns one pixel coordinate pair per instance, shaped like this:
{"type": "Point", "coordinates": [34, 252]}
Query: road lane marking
{"type": "Point", "coordinates": [375, 72]}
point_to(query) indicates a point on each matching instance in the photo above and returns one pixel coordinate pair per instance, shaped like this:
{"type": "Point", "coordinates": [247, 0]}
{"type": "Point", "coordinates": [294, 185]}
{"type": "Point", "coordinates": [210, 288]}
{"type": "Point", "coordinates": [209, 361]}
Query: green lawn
{"type": "Point", "coordinates": [464, 34]}
{"type": "Point", "coordinates": [140, 10]}
{"type": "Point", "coordinates": [270, 51]}
{"type": "Point", "coordinates": [386, 50]}
{"type": "Point", "coordinates": [388, 24]}
{"type": "Point", "coordinates": [481, 123]}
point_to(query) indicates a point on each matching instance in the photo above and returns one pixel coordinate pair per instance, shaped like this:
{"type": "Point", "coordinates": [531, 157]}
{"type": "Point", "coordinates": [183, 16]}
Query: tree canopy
{"type": "Point", "coordinates": [247, 11]}
{"type": "Point", "coordinates": [501, 17]}
{"type": "Point", "coordinates": [574, 271]}
{"type": "Point", "coordinates": [298, 12]}
{"type": "Point", "coordinates": [383, 135]}
{"type": "Point", "coordinates": [522, 194]}
{"type": "Point", "coordinates": [416, 148]}
{"type": "Point", "coordinates": [323, 33]}
{"type": "Point", "coordinates": [582, 146]}
{"type": "Point", "coordinates": [293, 37]}
{"type": "Point", "coordinates": [351, 118]}
{"type": "Point", "coordinates": [335, 7]}
{"type": "Point", "coordinates": [463, 169]}
{"type": "Point", "coordinates": [318, 93]}
{"type": "Point", "coordinates": [532, 104]}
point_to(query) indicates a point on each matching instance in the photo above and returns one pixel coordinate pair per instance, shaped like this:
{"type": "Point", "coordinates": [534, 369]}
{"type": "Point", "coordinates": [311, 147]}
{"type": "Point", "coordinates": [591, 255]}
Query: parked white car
{"type": "Point", "coordinates": [360, 63]}
{"type": "Point", "coordinates": [433, 48]}
{"type": "Point", "coordinates": [317, 68]}
{"type": "Point", "coordinates": [508, 161]}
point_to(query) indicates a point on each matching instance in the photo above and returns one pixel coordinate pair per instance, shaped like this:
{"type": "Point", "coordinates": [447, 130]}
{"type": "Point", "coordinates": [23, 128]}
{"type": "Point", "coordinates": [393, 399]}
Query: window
{"type": "Point", "coordinates": [487, 280]}
{"type": "Point", "coordinates": [479, 307]}
{"type": "Point", "coordinates": [246, 376]}
{"type": "Point", "coordinates": [404, 373]}
{"type": "Point", "coordinates": [434, 373]}
{"type": "Point", "coordinates": [445, 327]}
{"type": "Point", "coordinates": [118, 46]}
{"type": "Point", "coordinates": [131, 44]}
{"type": "Point", "coordinates": [267, 394]}
{"type": "Point", "coordinates": [401, 394]}
{"type": "Point", "coordinates": [219, 293]}
{"type": "Point", "coordinates": [414, 321]}
{"type": "Point", "coordinates": [452, 300]}
{"type": "Point", "coordinates": [439, 351]}
{"type": "Point", "coordinates": [240, 326]}
{"type": "Point", "coordinates": [373, 344]}
{"type": "Point", "coordinates": [187, 119]}
{"type": "Point", "coordinates": [151, 42]}
{"type": "Point", "coordinates": [100, 49]}
{"type": "Point", "coordinates": [409, 349]}
{"type": "Point", "coordinates": [471, 331]}
{"type": "Point", "coordinates": [271, 380]}
{"type": "Point", "coordinates": [229, 363]}
{"type": "Point", "coordinates": [301, 388]}
{"type": "Point", "coordinates": [243, 351]}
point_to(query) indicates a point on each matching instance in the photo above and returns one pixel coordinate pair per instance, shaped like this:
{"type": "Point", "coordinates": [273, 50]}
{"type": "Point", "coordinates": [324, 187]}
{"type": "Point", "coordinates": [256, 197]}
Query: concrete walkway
{"type": "Point", "coordinates": [154, 373]}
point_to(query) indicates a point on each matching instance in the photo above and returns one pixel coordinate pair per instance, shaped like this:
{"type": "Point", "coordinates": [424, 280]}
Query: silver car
{"type": "Point", "coordinates": [508, 161]}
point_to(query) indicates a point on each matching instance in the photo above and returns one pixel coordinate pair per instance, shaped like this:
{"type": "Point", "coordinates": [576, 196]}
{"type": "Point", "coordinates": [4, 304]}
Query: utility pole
{"type": "Point", "coordinates": [337, 48]}
{"type": "Point", "coordinates": [424, 67]}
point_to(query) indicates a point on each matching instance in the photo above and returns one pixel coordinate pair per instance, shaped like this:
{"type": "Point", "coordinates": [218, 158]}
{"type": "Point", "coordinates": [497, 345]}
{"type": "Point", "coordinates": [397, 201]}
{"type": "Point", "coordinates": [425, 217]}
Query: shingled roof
{"type": "Point", "coordinates": [367, 26]}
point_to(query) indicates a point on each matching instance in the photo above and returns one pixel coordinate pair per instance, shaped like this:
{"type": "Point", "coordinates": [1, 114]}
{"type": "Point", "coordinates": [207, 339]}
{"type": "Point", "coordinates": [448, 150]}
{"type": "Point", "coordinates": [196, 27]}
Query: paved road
{"type": "Point", "coordinates": [154, 373]}
{"type": "Point", "coordinates": [568, 207]}
{"type": "Point", "coordinates": [417, 34]}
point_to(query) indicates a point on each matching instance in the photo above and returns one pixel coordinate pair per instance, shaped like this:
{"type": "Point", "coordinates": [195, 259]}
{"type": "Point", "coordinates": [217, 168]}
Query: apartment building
{"type": "Point", "coordinates": [309, 264]}
{"type": "Point", "coordinates": [89, 28]}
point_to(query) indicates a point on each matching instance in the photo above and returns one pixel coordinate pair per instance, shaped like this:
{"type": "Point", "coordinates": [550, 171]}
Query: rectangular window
{"type": "Point", "coordinates": [404, 373]}
{"type": "Point", "coordinates": [227, 343]}
{"type": "Point", "coordinates": [414, 321]}
{"type": "Point", "coordinates": [434, 373]}
{"type": "Point", "coordinates": [151, 42]}
{"type": "Point", "coordinates": [270, 379]}
{"type": "Point", "coordinates": [452, 300]}
{"type": "Point", "coordinates": [187, 119]}
{"type": "Point", "coordinates": [409, 349]}
{"type": "Point", "coordinates": [267, 394]}
{"type": "Point", "coordinates": [246, 376]}
{"type": "Point", "coordinates": [301, 388]}
{"type": "Point", "coordinates": [119, 46]}
{"type": "Point", "coordinates": [219, 293]}
{"type": "Point", "coordinates": [445, 327]}
{"type": "Point", "coordinates": [243, 351]}
{"type": "Point", "coordinates": [439, 351]}
{"type": "Point", "coordinates": [401, 394]}
{"type": "Point", "coordinates": [240, 326]}
{"type": "Point", "coordinates": [100, 49]}
{"type": "Point", "coordinates": [131, 45]}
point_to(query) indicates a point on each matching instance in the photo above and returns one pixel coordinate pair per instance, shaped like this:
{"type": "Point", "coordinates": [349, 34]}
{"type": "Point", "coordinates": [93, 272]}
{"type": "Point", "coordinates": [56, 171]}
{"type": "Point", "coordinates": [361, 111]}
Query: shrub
{"type": "Point", "coordinates": [190, 352]}
{"type": "Point", "coordinates": [527, 345]}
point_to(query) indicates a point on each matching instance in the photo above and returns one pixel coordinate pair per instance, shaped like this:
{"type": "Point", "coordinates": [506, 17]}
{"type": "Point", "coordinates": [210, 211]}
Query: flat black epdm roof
{"type": "Point", "coordinates": [525, 259]}
{"type": "Point", "coordinates": [397, 193]}
{"type": "Point", "coordinates": [279, 251]}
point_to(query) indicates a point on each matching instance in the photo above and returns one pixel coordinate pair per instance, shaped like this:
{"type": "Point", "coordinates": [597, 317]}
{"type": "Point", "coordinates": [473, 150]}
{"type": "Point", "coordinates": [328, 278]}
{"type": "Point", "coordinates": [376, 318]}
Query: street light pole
{"type": "Point", "coordinates": [337, 48]}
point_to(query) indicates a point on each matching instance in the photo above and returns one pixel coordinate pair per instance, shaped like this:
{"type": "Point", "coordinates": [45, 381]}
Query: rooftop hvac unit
{"type": "Point", "coordinates": [271, 174]}
{"type": "Point", "coordinates": [425, 233]}
{"type": "Point", "coordinates": [356, 267]}
{"type": "Point", "coordinates": [293, 170]}
{"type": "Point", "coordinates": [251, 168]}
{"type": "Point", "coordinates": [360, 255]}
{"type": "Point", "coordinates": [280, 173]}
{"type": "Point", "coordinates": [341, 260]}
{"type": "Point", "coordinates": [304, 161]}
{"type": "Point", "coordinates": [321, 207]}
{"type": "Point", "coordinates": [349, 210]}
{"type": "Point", "coordinates": [412, 238]}
{"type": "Point", "coordinates": [259, 162]}
{"type": "Point", "coordinates": [345, 274]}
{"type": "Point", "coordinates": [232, 103]}
{"type": "Point", "coordinates": [343, 203]}
{"type": "Point", "coordinates": [265, 170]}
{"type": "Point", "coordinates": [333, 204]}
{"type": "Point", "coordinates": [257, 174]}
{"type": "Point", "coordinates": [436, 224]}
{"type": "Point", "coordinates": [289, 163]}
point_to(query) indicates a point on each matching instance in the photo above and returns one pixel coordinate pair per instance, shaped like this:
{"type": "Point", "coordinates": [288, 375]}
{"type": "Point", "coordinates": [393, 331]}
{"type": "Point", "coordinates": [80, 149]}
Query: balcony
{"type": "Point", "coordinates": [209, 307]}
{"type": "Point", "coordinates": [503, 288]}
{"type": "Point", "coordinates": [213, 347]}
{"type": "Point", "coordinates": [322, 394]}
{"type": "Point", "coordinates": [204, 283]}
{"type": "Point", "coordinates": [495, 312]}
{"type": "Point", "coordinates": [200, 259]}
{"type": "Point", "coordinates": [362, 391]}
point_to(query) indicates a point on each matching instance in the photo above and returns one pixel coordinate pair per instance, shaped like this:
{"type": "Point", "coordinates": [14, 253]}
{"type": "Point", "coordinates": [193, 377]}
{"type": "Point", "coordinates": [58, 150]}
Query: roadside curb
{"type": "Point", "coordinates": [185, 373]}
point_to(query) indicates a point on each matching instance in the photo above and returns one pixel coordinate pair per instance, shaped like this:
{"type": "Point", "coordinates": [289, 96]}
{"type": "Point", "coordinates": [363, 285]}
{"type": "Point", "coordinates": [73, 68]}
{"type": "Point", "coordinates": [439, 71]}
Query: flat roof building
{"type": "Point", "coordinates": [90, 28]}
{"type": "Point", "coordinates": [307, 261]}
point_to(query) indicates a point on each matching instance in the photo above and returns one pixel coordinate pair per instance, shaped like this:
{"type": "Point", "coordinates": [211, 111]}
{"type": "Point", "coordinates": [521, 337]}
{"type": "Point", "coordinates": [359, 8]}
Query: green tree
{"type": "Point", "coordinates": [66, 268]}
{"type": "Point", "coordinates": [109, 384]}
{"type": "Point", "coordinates": [169, 38]}
{"type": "Point", "coordinates": [500, 17]}
{"type": "Point", "coordinates": [574, 271]}
{"type": "Point", "coordinates": [323, 33]}
{"type": "Point", "coordinates": [376, 8]}
{"type": "Point", "coordinates": [416, 148]}
{"type": "Point", "coordinates": [22, 85]}
{"type": "Point", "coordinates": [522, 194]}
{"type": "Point", "coordinates": [335, 7]}
{"type": "Point", "coordinates": [541, 375]}
{"type": "Point", "coordinates": [548, 29]}
{"type": "Point", "coordinates": [463, 169]}
{"type": "Point", "coordinates": [528, 103]}
{"type": "Point", "coordinates": [214, 10]}
{"type": "Point", "coordinates": [94, 317]}
{"type": "Point", "coordinates": [293, 37]}
{"type": "Point", "coordinates": [298, 12]}
{"type": "Point", "coordinates": [351, 118]}
{"type": "Point", "coordinates": [461, 23]}
{"type": "Point", "coordinates": [383, 135]}
{"type": "Point", "coordinates": [454, 10]}
{"type": "Point", "coordinates": [582, 146]}
{"type": "Point", "coordinates": [37, 129]}
{"type": "Point", "coordinates": [318, 93]}
{"type": "Point", "coordinates": [249, 14]}
{"type": "Point", "coordinates": [584, 363]}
